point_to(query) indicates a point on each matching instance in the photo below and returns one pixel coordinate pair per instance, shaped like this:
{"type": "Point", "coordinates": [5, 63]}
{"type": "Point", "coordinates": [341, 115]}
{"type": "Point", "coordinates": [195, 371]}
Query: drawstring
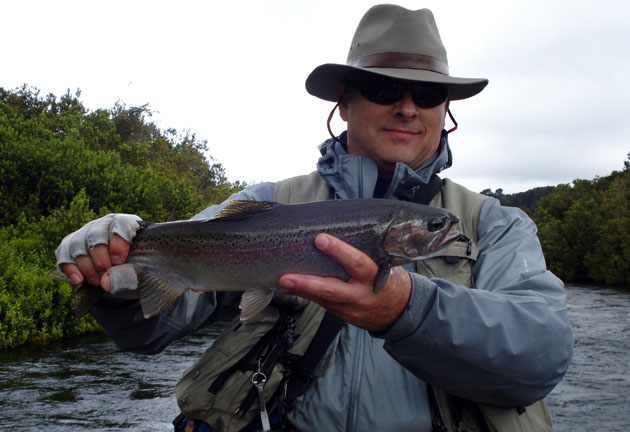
{"type": "Point", "coordinates": [332, 113]}
{"type": "Point", "coordinates": [330, 116]}
{"type": "Point", "coordinates": [454, 122]}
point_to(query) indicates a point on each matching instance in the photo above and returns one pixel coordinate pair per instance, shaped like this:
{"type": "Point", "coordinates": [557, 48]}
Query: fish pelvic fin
{"type": "Point", "coordinates": [384, 270]}
{"type": "Point", "coordinates": [254, 300]}
{"type": "Point", "coordinates": [155, 294]}
{"type": "Point", "coordinates": [239, 209]}
{"type": "Point", "coordinates": [85, 296]}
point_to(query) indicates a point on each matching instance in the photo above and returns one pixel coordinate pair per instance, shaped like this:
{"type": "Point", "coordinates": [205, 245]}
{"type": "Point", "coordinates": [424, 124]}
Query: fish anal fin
{"type": "Point", "coordinates": [155, 294]}
{"type": "Point", "coordinates": [254, 300]}
{"type": "Point", "coordinates": [238, 209]}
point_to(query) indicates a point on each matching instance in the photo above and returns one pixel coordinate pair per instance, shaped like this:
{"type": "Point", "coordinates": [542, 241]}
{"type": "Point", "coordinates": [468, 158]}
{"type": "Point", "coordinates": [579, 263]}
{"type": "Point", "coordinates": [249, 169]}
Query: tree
{"type": "Point", "coordinates": [584, 229]}
{"type": "Point", "coordinates": [61, 166]}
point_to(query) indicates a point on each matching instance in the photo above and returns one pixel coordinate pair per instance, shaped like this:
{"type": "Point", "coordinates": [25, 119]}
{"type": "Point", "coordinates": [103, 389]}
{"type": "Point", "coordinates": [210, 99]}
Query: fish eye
{"type": "Point", "coordinates": [435, 224]}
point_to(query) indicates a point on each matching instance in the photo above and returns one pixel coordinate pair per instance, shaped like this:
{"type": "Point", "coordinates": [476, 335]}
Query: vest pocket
{"type": "Point", "coordinates": [453, 264]}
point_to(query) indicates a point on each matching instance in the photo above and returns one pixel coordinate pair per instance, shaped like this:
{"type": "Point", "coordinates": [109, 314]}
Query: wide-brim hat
{"type": "Point", "coordinates": [399, 43]}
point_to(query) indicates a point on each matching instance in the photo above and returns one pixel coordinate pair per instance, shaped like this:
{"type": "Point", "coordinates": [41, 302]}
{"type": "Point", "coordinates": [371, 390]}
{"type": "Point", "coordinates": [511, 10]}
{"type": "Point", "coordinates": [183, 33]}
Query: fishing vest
{"type": "Point", "coordinates": [250, 361]}
{"type": "Point", "coordinates": [455, 265]}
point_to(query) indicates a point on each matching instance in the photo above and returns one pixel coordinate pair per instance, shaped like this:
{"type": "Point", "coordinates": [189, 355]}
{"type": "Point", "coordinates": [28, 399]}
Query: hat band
{"type": "Point", "coordinates": [400, 61]}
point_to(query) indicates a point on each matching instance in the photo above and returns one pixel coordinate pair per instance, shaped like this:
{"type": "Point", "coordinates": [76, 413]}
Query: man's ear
{"type": "Point", "coordinates": [342, 98]}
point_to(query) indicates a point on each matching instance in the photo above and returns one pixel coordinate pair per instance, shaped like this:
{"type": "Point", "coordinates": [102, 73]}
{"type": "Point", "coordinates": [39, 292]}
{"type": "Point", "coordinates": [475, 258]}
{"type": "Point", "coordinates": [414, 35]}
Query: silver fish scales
{"type": "Point", "coordinates": [250, 244]}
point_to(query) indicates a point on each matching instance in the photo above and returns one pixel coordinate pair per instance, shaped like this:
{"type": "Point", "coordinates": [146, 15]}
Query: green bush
{"type": "Point", "coordinates": [34, 307]}
{"type": "Point", "coordinates": [62, 166]}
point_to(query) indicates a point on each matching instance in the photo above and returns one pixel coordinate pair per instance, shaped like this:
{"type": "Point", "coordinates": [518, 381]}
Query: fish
{"type": "Point", "coordinates": [250, 244]}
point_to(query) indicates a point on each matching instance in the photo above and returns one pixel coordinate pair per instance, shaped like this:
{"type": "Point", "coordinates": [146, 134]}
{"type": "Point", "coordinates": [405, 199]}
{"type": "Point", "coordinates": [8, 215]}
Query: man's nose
{"type": "Point", "coordinates": [406, 107]}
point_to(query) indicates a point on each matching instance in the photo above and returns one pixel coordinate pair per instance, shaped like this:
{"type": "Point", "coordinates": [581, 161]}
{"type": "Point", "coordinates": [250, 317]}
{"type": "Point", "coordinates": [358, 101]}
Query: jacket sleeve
{"type": "Point", "coordinates": [123, 320]}
{"type": "Point", "coordinates": [509, 341]}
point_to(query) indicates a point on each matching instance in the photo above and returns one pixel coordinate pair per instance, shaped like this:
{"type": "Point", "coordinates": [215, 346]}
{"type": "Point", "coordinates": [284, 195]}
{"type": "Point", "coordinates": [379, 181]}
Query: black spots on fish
{"type": "Point", "coordinates": [151, 239]}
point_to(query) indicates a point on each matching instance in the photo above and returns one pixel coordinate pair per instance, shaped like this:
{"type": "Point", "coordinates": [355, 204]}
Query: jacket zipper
{"type": "Point", "coordinates": [353, 402]}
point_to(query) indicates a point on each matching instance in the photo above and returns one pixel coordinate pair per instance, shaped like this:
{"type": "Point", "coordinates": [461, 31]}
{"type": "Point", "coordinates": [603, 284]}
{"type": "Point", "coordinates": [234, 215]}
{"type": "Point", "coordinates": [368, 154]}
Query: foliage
{"type": "Point", "coordinates": [34, 307]}
{"type": "Point", "coordinates": [61, 166]}
{"type": "Point", "coordinates": [585, 229]}
{"type": "Point", "coordinates": [527, 200]}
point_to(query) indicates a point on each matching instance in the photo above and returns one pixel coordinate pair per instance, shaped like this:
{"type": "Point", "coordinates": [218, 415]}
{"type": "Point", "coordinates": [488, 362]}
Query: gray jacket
{"type": "Point", "coordinates": [507, 343]}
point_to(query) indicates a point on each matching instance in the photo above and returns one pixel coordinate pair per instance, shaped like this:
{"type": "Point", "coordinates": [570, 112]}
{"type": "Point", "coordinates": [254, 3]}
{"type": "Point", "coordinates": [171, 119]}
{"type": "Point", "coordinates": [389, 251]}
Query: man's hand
{"type": "Point", "coordinates": [88, 252]}
{"type": "Point", "coordinates": [93, 266]}
{"type": "Point", "coordinates": [353, 301]}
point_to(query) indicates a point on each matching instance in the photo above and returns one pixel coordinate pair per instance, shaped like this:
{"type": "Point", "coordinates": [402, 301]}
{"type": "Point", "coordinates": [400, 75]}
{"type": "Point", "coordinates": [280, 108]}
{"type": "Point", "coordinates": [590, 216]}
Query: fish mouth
{"type": "Point", "coordinates": [447, 237]}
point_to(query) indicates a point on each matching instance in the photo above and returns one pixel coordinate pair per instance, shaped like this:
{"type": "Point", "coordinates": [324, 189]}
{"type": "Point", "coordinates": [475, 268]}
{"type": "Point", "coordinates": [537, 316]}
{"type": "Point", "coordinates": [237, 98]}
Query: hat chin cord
{"type": "Point", "coordinates": [330, 117]}
{"type": "Point", "coordinates": [454, 128]}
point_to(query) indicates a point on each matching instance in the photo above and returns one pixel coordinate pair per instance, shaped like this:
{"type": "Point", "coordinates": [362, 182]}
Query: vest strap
{"type": "Point", "coordinates": [424, 195]}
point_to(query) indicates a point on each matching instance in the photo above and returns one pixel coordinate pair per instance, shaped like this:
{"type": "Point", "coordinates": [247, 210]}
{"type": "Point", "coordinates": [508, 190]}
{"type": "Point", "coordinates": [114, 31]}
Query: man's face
{"type": "Point", "coordinates": [398, 132]}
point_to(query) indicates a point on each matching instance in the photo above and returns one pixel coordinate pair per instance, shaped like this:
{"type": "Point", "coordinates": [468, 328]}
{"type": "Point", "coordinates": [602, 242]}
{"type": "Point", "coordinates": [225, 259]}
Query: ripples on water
{"type": "Point", "coordinates": [595, 393]}
{"type": "Point", "coordinates": [88, 385]}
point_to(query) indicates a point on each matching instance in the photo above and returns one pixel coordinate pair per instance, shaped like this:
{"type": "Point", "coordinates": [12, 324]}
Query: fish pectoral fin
{"type": "Point", "coordinates": [155, 294]}
{"type": "Point", "coordinates": [384, 270]}
{"type": "Point", "coordinates": [254, 300]}
{"type": "Point", "coordinates": [238, 209]}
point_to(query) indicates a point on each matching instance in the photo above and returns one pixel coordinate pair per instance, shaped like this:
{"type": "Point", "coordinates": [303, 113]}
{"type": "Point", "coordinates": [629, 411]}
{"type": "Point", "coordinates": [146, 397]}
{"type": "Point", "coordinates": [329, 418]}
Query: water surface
{"type": "Point", "coordinates": [88, 384]}
{"type": "Point", "coordinates": [595, 393]}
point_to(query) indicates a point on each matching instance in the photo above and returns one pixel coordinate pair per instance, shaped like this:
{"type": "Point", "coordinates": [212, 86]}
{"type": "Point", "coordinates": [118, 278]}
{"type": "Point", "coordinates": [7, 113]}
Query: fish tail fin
{"type": "Point", "coordinates": [58, 275]}
{"type": "Point", "coordinates": [155, 294]}
{"type": "Point", "coordinates": [254, 300]}
{"type": "Point", "coordinates": [85, 296]}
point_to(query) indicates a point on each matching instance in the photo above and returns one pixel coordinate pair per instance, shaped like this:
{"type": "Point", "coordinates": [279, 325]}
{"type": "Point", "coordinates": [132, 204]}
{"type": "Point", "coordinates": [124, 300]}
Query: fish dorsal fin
{"type": "Point", "coordinates": [238, 209]}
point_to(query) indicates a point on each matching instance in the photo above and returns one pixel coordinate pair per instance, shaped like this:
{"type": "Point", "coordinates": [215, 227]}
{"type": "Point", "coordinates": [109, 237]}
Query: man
{"type": "Point", "coordinates": [489, 353]}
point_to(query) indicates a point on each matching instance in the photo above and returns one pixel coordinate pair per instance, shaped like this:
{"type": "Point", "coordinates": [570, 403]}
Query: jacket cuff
{"type": "Point", "coordinates": [423, 292]}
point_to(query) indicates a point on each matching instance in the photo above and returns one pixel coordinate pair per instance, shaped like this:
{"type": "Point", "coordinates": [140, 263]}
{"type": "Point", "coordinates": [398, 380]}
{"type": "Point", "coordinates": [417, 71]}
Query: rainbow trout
{"type": "Point", "coordinates": [250, 244]}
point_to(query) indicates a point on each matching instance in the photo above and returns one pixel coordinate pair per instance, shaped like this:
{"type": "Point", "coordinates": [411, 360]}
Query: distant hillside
{"type": "Point", "coordinates": [527, 200]}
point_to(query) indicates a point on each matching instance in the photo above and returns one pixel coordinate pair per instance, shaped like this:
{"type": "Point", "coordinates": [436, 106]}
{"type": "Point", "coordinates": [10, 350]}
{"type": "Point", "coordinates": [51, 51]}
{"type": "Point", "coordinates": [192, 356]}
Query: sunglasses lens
{"type": "Point", "coordinates": [386, 92]}
{"type": "Point", "coordinates": [428, 96]}
{"type": "Point", "coordinates": [381, 92]}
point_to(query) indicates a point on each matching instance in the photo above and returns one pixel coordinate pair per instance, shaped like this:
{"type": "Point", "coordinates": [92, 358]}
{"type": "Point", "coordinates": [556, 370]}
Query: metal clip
{"type": "Point", "coordinates": [258, 380]}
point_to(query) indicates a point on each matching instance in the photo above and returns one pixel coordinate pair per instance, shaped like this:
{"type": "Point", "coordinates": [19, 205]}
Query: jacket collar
{"type": "Point", "coordinates": [352, 176]}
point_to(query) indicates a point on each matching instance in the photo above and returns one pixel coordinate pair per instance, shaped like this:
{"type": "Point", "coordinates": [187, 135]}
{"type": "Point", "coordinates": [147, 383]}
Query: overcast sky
{"type": "Point", "coordinates": [556, 108]}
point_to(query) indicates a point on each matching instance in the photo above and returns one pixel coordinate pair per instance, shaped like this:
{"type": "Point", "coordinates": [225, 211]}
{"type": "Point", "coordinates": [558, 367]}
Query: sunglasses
{"type": "Point", "coordinates": [386, 92]}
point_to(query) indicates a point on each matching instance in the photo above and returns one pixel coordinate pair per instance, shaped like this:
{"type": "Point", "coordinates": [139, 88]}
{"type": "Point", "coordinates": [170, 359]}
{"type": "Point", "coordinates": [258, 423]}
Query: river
{"type": "Point", "coordinates": [88, 385]}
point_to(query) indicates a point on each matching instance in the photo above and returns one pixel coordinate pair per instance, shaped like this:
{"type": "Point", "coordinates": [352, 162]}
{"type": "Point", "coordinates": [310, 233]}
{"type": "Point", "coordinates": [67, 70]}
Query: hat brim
{"type": "Point", "coordinates": [323, 81]}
